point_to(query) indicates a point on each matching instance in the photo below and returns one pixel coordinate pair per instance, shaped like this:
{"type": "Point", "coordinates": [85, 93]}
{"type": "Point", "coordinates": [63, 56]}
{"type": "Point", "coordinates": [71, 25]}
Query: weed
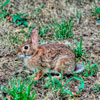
{"type": "Point", "coordinates": [96, 88]}
{"type": "Point", "coordinates": [56, 84]}
{"type": "Point", "coordinates": [78, 51]}
{"type": "Point", "coordinates": [43, 30]}
{"type": "Point", "coordinates": [3, 13]}
{"type": "Point", "coordinates": [18, 18]}
{"type": "Point", "coordinates": [63, 30]}
{"type": "Point", "coordinates": [96, 12]}
{"type": "Point", "coordinates": [5, 3]}
{"type": "Point", "coordinates": [15, 18]}
{"type": "Point", "coordinates": [19, 90]}
{"type": "Point", "coordinates": [90, 69]}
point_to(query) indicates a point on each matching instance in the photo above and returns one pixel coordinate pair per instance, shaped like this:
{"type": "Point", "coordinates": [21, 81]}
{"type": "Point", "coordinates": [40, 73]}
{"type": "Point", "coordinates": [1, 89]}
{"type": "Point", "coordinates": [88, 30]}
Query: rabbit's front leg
{"type": "Point", "coordinates": [38, 75]}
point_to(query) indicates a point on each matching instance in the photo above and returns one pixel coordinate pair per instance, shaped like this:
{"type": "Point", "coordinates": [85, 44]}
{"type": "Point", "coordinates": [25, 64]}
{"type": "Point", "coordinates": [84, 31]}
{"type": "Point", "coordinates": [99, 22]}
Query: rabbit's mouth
{"type": "Point", "coordinates": [21, 56]}
{"type": "Point", "coordinates": [24, 56]}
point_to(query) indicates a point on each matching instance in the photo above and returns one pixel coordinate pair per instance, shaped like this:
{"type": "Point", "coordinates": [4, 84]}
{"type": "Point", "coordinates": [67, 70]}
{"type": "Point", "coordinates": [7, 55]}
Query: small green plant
{"type": "Point", "coordinates": [63, 30]}
{"type": "Point", "coordinates": [63, 89]}
{"type": "Point", "coordinates": [78, 51]}
{"type": "Point", "coordinates": [19, 90]}
{"type": "Point", "coordinates": [90, 69]}
{"type": "Point", "coordinates": [5, 3]}
{"type": "Point", "coordinates": [96, 88]}
{"type": "Point", "coordinates": [43, 30]}
{"type": "Point", "coordinates": [3, 13]}
{"type": "Point", "coordinates": [17, 18]}
{"type": "Point", "coordinates": [96, 12]}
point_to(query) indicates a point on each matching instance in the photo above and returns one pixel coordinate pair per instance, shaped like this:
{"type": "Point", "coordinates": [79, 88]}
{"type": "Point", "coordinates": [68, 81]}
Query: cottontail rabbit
{"type": "Point", "coordinates": [55, 57]}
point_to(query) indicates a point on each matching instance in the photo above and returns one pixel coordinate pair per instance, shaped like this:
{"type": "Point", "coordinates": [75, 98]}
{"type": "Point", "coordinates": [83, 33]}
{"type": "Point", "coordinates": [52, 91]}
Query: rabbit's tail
{"type": "Point", "coordinates": [79, 68]}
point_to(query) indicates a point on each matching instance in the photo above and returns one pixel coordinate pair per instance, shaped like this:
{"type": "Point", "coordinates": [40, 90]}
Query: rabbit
{"type": "Point", "coordinates": [55, 57]}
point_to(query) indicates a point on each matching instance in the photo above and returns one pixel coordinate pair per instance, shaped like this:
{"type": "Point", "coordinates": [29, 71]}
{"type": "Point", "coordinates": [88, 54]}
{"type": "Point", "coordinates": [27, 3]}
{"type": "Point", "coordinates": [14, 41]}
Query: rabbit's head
{"type": "Point", "coordinates": [30, 47]}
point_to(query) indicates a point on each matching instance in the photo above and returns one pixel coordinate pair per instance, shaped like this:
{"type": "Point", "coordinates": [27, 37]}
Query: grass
{"type": "Point", "coordinates": [78, 50]}
{"type": "Point", "coordinates": [96, 88]}
{"type": "Point", "coordinates": [91, 69]}
{"type": "Point", "coordinates": [3, 13]}
{"type": "Point", "coordinates": [43, 30]}
{"type": "Point", "coordinates": [61, 87]}
{"type": "Point", "coordinates": [63, 30]}
{"type": "Point", "coordinates": [19, 89]}
{"type": "Point", "coordinates": [96, 12]}
{"type": "Point", "coordinates": [16, 18]}
{"type": "Point", "coordinates": [5, 3]}
{"type": "Point", "coordinates": [19, 20]}
{"type": "Point", "coordinates": [40, 7]}
{"type": "Point", "coordinates": [16, 38]}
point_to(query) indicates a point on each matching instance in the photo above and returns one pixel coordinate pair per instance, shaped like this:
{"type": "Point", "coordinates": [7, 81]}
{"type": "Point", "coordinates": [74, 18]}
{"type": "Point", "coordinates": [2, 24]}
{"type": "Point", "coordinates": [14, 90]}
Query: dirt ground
{"type": "Point", "coordinates": [57, 10]}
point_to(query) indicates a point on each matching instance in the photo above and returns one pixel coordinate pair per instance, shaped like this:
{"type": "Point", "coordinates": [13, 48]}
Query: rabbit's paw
{"type": "Point", "coordinates": [38, 76]}
{"type": "Point", "coordinates": [36, 79]}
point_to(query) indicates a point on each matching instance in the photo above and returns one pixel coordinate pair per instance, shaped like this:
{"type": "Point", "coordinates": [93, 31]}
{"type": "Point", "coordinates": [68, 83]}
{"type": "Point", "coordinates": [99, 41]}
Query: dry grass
{"type": "Point", "coordinates": [11, 36]}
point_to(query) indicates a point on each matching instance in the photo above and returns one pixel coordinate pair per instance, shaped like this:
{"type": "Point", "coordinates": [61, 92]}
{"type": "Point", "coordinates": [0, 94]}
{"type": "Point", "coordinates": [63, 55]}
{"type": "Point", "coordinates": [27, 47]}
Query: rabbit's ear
{"type": "Point", "coordinates": [34, 36]}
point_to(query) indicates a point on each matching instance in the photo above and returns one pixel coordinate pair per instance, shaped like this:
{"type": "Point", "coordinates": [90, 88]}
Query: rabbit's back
{"type": "Point", "coordinates": [53, 52]}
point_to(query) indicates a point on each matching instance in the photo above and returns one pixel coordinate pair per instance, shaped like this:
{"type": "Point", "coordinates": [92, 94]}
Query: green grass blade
{"type": "Point", "coordinates": [68, 92]}
{"type": "Point", "coordinates": [31, 98]}
{"type": "Point", "coordinates": [77, 78]}
{"type": "Point", "coordinates": [29, 88]}
{"type": "Point", "coordinates": [81, 80]}
{"type": "Point", "coordinates": [5, 3]}
{"type": "Point", "coordinates": [10, 92]}
{"type": "Point", "coordinates": [5, 99]}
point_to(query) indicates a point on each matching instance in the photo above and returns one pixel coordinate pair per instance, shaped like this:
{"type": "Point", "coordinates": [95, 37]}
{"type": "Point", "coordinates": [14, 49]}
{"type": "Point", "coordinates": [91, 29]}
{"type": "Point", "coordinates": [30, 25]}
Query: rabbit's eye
{"type": "Point", "coordinates": [26, 47]}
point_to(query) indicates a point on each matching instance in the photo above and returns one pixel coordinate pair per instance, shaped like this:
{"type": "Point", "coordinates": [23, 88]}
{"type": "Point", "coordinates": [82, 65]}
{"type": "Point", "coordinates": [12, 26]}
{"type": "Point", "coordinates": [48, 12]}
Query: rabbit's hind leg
{"type": "Point", "coordinates": [65, 64]}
